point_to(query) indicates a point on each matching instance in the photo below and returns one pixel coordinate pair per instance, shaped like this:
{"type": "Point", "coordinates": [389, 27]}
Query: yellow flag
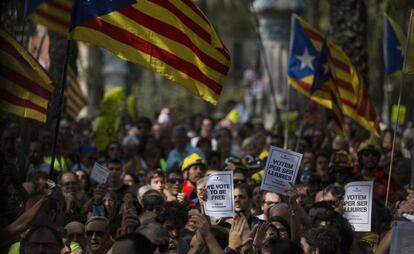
{"type": "Point", "coordinates": [409, 58]}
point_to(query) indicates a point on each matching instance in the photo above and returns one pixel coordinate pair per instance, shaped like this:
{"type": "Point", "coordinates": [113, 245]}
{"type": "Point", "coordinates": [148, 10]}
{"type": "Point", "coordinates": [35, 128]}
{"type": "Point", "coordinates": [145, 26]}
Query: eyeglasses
{"type": "Point", "coordinates": [97, 233]}
{"type": "Point", "coordinates": [176, 180]}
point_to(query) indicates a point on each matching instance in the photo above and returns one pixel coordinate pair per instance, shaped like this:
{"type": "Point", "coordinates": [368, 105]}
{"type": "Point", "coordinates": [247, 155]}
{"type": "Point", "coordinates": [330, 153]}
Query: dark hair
{"type": "Point", "coordinates": [114, 161]}
{"type": "Point", "coordinates": [325, 239]}
{"type": "Point", "coordinates": [112, 143]}
{"type": "Point", "coordinates": [322, 204]}
{"type": "Point", "coordinates": [202, 141]}
{"type": "Point", "coordinates": [282, 221]}
{"type": "Point", "coordinates": [336, 191]}
{"type": "Point", "coordinates": [174, 212]}
{"type": "Point", "coordinates": [152, 201]}
{"type": "Point", "coordinates": [36, 228]}
{"type": "Point", "coordinates": [133, 175]}
{"type": "Point", "coordinates": [88, 181]}
{"type": "Point", "coordinates": [153, 174]}
{"type": "Point", "coordinates": [246, 188]}
{"type": "Point", "coordinates": [282, 246]}
{"type": "Point", "coordinates": [340, 224]}
{"type": "Point", "coordinates": [141, 244]}
{"type": "Point", "coordinates": [144, 121]}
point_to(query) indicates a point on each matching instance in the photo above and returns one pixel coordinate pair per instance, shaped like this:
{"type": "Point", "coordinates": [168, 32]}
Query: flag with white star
{"type": "Point", "coordinates": [344, 85]}
{"type": "Point", "coordinates": [302, 56]}
{"type": "Point", "coordinates": [394, 39]}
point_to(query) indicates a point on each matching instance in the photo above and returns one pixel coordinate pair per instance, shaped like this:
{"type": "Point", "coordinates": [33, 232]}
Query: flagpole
{"type": "Point", "coordinates": [69, 46]}
{"type": "Point", "coordinates": [387, 90]}
{"type": "Point", "coordinates": [398, 110]}
{"type": "Point", "coordinates": [287, 117]}
{"type": "Point", "coordinates": [262, 49]}
{"type": "Point", "coordinates": [288, 86]}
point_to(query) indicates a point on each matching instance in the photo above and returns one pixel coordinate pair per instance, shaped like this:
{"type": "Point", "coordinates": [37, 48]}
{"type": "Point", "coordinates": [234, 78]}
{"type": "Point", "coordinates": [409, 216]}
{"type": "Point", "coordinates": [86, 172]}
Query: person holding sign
{"type": "Point", "coordinates": [194, 168]}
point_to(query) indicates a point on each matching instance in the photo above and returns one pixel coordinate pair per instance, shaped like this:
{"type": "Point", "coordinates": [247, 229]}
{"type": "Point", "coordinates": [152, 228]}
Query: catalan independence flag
{"type": "Point", "coordinates": [409, 58]}
{"type": "Point", "coordinates": [394, 41]}
{"type": "Point", "coordinates": [75, 100]}
{"type": "Point", "coordinates": [26, 87]}
{"type": "Point", "coordinates": [301, 70]}
{"type": "Point", "coordinates": [53, 14]}
{"type": "Point", "coordinates": [173, 38]}
{"type": "Point", "coordinates": [323, 77]}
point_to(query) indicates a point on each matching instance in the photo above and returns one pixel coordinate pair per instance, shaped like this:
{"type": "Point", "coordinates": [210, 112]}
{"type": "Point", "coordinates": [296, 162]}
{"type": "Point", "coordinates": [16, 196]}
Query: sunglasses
{"type": "Point", "coordinates": [97, 233]}
{"type": "Point", "coordinates": [369, 153]}
{"type": "Point", "coordinates": [176, 180]}
{"type": "Point", "coordinates": [239, 181]}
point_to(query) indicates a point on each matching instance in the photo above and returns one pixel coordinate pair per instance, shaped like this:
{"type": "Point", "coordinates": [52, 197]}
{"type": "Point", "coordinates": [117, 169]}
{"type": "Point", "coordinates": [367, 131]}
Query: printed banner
{"type": "Point", "coordinates": [358, 205]}
{"type": "Point", "coordinates": [281, 170]}
{"type": "Point", "coordinates": [220, 198]}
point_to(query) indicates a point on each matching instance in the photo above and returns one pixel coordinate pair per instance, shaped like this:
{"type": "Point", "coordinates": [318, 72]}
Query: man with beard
{"type": "Point", "coordinates": [369, 154]}
{"type": "Point", "coordinates": [36, 162]}
{"type": "Point", "coordinates": [97, 235]}
{"type": "Point", "coordinates": [194, 168]}
{"type": "Point", "coordinates": [114, 181]}
{"type": "Point", "coordinates": [70, 189]}
{"type": "Point", "coordinates": [242, 203]}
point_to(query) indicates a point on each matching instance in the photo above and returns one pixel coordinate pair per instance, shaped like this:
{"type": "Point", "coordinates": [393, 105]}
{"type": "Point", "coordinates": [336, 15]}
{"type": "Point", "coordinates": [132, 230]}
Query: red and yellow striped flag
{"type": "Point", "coordinates": [75, 100]}
{"type": "Point", "coordinates": [26, 87]}
{"type": "Point", "coordinates": [53, 14]}
{"type": "Point", "coordinates": [355, 100]}
{"type": "Point", "coordinates": [173, 38]}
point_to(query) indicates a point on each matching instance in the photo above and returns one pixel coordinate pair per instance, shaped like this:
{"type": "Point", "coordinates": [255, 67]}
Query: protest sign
{"type": "Point", "coordinates": [99, 173]}
{"type": "Point", "coordinates": [281, 170]}
{"type": "Point", "coordinates": [358, 205]}
{"type": "Point", "coordinates": [220, 198]}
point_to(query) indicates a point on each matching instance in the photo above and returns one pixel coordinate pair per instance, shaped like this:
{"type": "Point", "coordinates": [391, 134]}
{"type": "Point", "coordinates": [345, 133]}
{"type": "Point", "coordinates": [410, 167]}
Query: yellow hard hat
{"type": "Point", "coordinates": [369, 145]}
{"type": "Point", "coordinates": [193, 159]}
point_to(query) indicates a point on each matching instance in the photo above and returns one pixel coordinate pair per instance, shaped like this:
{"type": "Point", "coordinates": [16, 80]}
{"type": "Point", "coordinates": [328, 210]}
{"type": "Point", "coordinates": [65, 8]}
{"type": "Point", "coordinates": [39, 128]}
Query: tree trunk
{"type": "Point", "coordinates": [94, 79]}
{"type": "Point", "coordinates": [349, 30]}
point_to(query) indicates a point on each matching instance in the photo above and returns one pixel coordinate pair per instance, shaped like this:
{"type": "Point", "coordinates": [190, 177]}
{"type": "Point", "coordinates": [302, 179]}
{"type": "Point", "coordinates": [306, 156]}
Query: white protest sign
{"type": "Point", "coordinates": [220, 198]}
{"type": "Point", "coordinates": [281, 170]}
{"type": "Point", "coordinates": [358, 205]}
{"type": "Point", "coordinates": [99, 173]}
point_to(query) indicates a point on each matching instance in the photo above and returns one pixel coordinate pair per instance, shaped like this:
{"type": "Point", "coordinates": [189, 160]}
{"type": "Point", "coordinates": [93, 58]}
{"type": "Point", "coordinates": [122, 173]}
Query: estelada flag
{"type": "Point", "coordinates": [323, 79]}
{"type": "Point", "coordinates": [26, 88]}
{"type": "Point", "coordinates": [53, 14]}
{"type": "Point", "coordinates": [173, 38]}
{"type": "Point", "coordinates": [409, 58]}
{"type": "Point", "coordinates": [301, 70]}
{"type": "Point", "coordinates": [394, 45]}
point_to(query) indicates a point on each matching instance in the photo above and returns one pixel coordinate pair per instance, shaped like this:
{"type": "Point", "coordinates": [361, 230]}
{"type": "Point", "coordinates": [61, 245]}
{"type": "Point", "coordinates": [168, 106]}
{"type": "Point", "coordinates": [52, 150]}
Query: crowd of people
{"type": "Point", "coordinates": [152, 200]}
